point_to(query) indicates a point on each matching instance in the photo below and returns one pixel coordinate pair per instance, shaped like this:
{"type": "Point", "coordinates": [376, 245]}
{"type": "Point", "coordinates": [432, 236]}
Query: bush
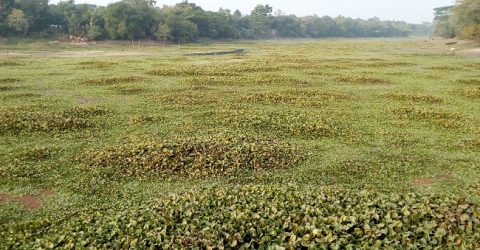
{"type": "Point", "coordinates": [21, 120]}
{"type": "Point", "coordinates": [114, 80]}
{"type": "Point", "coordinates": [254, 217]}
{"type": "Point", "coordinates": [212, 156]}
{"type": "Point", "coordinates": [361, 80]}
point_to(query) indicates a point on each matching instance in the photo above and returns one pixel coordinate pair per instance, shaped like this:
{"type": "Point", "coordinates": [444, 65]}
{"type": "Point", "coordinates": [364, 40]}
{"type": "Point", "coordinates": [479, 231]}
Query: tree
{"type": "Point", "coordinates": [262, 21]}
{"type": "Point", "coordinates": [18, 21]}
{"type": "Point", "coordinates": [444, 22]}
{"type": "Point", "coordinates": [467, 19]}
{"type": "Point", "coordinates": [262, 10]}
{"type": "Point", "coordinates": [123, 21]}
{"type": "Point", "coordinates": [163, 32]}
{"type": "Point", "coordinates": [5, 9]}
{"type": "Point", "coordinates": [37, 12]}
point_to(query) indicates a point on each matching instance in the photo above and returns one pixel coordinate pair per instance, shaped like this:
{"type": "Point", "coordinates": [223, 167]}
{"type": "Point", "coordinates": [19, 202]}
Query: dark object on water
{"type": "Point", "coordinates": [450, 43]}
{"type": "Point", "coordinates": [218, 53]}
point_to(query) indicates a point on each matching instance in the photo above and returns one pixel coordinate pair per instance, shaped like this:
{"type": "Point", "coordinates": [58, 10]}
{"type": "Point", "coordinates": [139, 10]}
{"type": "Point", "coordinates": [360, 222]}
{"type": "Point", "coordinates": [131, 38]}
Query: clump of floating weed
{"type": "Point", "coordinates": [359, 79]}
{"type": "Point", "coordinates": [414, 98]}
{"type": "Point", "coordinates": [20, 95]}
{"type": "Point", "coordinates": [35, 154]}
{"type": "Point", "coordinates": [128, 89]}
{"type": "Point", "coordinates": [20, 120]}
{"type": "Point", "coordinates": [399, 139]}
{"type": "Point", "coordinates": [97, 64]}
{"type": "Point", "coordinates": [256, 79]}
{"type": "Point", "coordinates": [213, 70]}
{"type": "Point", "coordinates": [288, 123]}
{"type": "Point", "coordinates": [11, 62]}
{"type": "Point", "coordinates": [210, 156]}
{"type": "Point", "coordinates": [443, 119]}
{"type": "Point", "coordinates": [472, 143]}
{"type": "Point", "coordinates": [143, 119]}
{"type": "Point", "coordinates": [185, 99]}
{"type": "Point", "coordinates": [298, 97]}
{"type": "Point", "coordinates": [8, 88]}
{"type": "Point", "coordinates": [472, 81]}
{"type": "Point", "coordinates": [430, 76]}
{"type": "Point", "coordinates": [375, 166]}
{"type": "Point", "coordinates": [270, 98]}
{"type": "Point", "coordinates": [263, 217]}
{"type": "Point", "coordinates": [473, 92]}
{"type": "Point", "coordinates": [9, 80]}
{"type": "Point", "coordinates": [384, 64]}
{"type": "Point", "coordinates": [448, 68]}
{"type": "Point", "coordinates": [113, 80]}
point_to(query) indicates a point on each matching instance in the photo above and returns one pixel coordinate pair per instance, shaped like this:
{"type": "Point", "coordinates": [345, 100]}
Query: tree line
{"type": "Point", "coordinates": [461, 20]}
{"type": "Point", "coordinates": [183, 22]}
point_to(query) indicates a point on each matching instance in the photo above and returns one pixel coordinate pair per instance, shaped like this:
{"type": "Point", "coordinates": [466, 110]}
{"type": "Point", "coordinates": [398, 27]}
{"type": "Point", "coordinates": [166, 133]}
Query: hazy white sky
{"type": "Point", "coordinates": [413, 11]}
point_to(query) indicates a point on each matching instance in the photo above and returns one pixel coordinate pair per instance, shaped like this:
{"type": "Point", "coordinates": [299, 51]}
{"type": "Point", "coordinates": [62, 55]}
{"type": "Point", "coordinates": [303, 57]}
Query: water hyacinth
{"type": "Point", "coordinates": [264, 217]}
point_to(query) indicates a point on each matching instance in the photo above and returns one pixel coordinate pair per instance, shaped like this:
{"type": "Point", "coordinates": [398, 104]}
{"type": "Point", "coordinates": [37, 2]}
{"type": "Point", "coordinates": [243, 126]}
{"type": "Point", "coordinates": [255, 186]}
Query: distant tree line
{"type": "Point", "coordinates": [461, 20]}
{"type": "Point", "coordinates": [183, 22]}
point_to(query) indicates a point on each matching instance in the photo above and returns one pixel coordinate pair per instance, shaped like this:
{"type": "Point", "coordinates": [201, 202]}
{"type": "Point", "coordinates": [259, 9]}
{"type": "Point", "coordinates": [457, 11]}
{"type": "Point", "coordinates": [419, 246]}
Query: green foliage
{"type": "Point", "coordinates": [258, 217]}
{"type": "Point", "coordinates": [471, 92]}
{"type": "Point", "coordinates": [359, 79]}
{"type": "Point", "coordinates": [467, 20]}
{"type": "Point", "coordinates": [289, 123]}
{"type": "Point", "coordinates": [11, 62]}
{"type": "Point", "coordinates": [25, 120]}
{"type": "Point", "coordinates": [414, 98]}
{"type": "Point", "coordinates": [184, 22]}
{"type": "Point", "coordinates": [18, 21]}
{"type": "Point", "coordinates": [472, 81]}
{"type": "Point", "coordinates": [211, 156]}
{"type": "Point", "coordinates": [113, 80]}
{"type": "Point", "coordinates": [460, 20]}
{"type": "Point", "coordinates": [122, 21]}
{"type": "Point", "coordinates": [8, 80]}
{"type": "Point", "coordinates": [301, 126]}
{"type": "Point", "coordinates": [441, 118]}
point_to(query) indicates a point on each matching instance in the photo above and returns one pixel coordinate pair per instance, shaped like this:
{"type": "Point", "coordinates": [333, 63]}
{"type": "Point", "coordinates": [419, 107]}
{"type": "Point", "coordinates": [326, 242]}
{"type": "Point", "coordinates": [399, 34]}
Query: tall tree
{"type": "Point", "coordinates": [122, 21]}
{"type": "Point", "coordinates": [18, 21]}
{"type": "Point", "coordinates": [37, 11]}
{"type": "Point", "coordinates": [467, 19]}
{"type": "Point", "coordinates": [444, 22]}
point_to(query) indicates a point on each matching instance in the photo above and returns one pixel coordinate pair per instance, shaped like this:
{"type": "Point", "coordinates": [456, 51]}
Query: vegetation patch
{"type": "Point", "coordinates": [128, 89]}
{"type": "Point", "coordinates": [384, 64]}
{"type": "Point", "coordinates": [9, 80]}
{"type": "Point", "coordinates": [143, 119]}
{"type": "Point", "coordinates": [443, 119]}
{"type": "Point", "coordinates": [35, 154]}
{"type": "Point", "coordinates": [261, 217]}
{"type": "Point", "coordinates": [473, 92]}
{"type": "Point", "coordinates": [256, 79]}
{"type": "Point", "coordinates": [114, 80]}
{"type": "Point", "coordinates": [21, 120]}
{"type": "Point", "coordinates": [298, 97]}
{"type": "Point", "coordinates": [471, 81]}
{"type": "Point", "coordinates": [359, 79]}
{"type": "Point", "coordinates": [20, 95]}
{"type": "Point", "coordinates": [211, 156]}
{"type": "Point", "coordinates": [290, 123]}
{"type": "Point", "coordinates": [414, 98]}
{"type": "Point", "coordinates": [448, 68]}
{"type": "Point", "coordinates": [96, 64]}
{"type": "Point", "coordinates": [11, 62]}
{"type": "Point", "coordinates": [472, 143]}
{"type": "Point", "coordinates": [8, 88]}
{"type": "Point", "coordinates": [235, 69]}
{"type": "Point", "coordinates": [186, 99]}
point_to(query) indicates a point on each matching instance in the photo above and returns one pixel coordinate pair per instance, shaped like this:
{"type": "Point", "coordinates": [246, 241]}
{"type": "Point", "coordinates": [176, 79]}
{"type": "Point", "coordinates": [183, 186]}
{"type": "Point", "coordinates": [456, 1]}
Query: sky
{"type": "Point", "coordinates": [412, 11]}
